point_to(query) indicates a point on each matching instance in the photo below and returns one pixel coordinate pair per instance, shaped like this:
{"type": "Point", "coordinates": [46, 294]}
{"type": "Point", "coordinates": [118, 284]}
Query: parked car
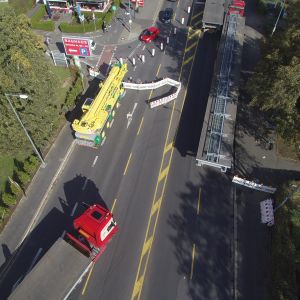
{"type": "Point", "coordinates": [149, 34]}
{"type": "Point", "coordinates": [166, 15]}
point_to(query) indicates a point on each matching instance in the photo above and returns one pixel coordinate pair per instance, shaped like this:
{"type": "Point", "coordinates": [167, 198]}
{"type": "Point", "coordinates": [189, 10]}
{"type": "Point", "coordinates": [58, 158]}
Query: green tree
{"type": "Point", "coordinates": [25, 69]}
{"type": "Point", "coordinates": [275, 87]}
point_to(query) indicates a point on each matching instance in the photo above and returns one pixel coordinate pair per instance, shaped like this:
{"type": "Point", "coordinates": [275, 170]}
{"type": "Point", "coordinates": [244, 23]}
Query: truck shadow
{"type": "Point", "coordinates": [52, 226]}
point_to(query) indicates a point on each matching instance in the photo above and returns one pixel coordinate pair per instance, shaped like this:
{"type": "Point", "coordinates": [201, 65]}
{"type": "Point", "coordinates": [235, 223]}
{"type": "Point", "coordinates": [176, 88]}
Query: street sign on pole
{"type": "Point", "coordinates": [77, 46]}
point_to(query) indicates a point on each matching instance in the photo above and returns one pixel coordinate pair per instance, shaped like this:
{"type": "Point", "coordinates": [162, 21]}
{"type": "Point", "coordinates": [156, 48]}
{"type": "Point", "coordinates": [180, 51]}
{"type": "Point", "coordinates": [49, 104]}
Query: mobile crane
{"type": "Point", "coordinates": [98, 113]}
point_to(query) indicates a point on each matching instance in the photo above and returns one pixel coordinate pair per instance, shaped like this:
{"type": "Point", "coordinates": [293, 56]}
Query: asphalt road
{"type": "Point", "coordinates": [190, 254]}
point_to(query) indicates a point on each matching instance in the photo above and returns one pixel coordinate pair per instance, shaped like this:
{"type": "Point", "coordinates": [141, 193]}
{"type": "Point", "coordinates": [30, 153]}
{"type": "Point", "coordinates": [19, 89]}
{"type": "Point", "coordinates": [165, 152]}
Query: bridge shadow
{"type": "Point", "coordinates": [190, 125]}
{"type": "Point", "coordinates": [51, 227]}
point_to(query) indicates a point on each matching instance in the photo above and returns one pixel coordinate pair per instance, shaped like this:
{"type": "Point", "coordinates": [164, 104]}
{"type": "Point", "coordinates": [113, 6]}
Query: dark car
{"type": "Point", "coordinates": [167, 15]}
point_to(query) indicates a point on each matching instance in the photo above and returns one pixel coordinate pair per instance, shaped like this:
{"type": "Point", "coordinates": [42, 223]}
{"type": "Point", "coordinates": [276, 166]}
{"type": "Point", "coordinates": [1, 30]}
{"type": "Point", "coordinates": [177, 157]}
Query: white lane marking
{"type": "Point", "coordinates": [63, 234]}
{"type": "Point", "coordinates": [134, 50]}
{"type": "Point", "coordinates": [43, 202]}
{"type": "Point", "coordinates": [95, 160]}
{"type": "Point", "coordinates": [134, 107]}
{"type": "Point", "coordinates": [34, 260]}
{"type": "Point", "coordinates": [16, 284]}
{"type": "Point", "coordinates": [144, 47]}
{"type": "Point", "coordinates": [85, 183]}
{"type": "Point", "coordinates": [129, 119]}
{"type": "Point", "coordinates": [129, 115]}
{"type": "Point", "coordinates": [73, 210]}
{"type": "Point", "coordinates": [103, 141]}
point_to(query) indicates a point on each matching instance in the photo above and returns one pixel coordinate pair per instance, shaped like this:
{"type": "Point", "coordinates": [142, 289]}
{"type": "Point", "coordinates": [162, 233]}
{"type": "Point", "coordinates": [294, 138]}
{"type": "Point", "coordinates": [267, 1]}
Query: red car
{"type": "Point", "coordinates": [149, 34]}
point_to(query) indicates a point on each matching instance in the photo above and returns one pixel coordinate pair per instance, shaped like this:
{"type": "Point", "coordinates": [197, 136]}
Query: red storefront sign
{"type": "Point", "coordinates": [77, 46]}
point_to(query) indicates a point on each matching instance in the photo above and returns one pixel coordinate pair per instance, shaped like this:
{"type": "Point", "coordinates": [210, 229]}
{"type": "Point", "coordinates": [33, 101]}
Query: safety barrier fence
{"type": "Point", "coordinates": [254, 185]}
{"type": "Point", "coordinates": [156, 85]}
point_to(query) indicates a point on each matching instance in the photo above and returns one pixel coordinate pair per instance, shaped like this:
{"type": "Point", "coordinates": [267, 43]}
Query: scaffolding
{"type": "Point", "coordinates": [217, 136]}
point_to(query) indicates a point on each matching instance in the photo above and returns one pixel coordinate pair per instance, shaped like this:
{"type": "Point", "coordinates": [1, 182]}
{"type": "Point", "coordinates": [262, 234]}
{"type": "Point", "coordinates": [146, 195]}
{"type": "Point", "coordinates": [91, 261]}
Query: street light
{"type": "Point", "coordinates": [275, 25]}
{"type": "Point", "coordinates": [23, 96]}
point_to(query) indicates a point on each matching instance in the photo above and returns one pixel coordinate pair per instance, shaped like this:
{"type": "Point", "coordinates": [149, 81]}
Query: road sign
{"type": "Point", "coordinates": [77, 46]}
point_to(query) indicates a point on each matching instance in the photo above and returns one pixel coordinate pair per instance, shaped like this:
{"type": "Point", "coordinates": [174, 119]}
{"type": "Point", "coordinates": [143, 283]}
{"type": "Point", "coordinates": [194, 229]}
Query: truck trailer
{"type": "Point", "coordinates": [65, 263]}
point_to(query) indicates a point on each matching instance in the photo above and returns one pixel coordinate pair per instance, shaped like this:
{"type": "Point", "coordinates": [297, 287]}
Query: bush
{"type": "Point", "coordinates": [3, 211]}
{"type": "Point", "coordinates": [79, 28]}
{"type": "Point", "coordinates": [30, 164]}
{"type": "Point", "coordinates": [74, 92]}
{"type": "Point", "coordinates": [37, 23]}
{"type": "Point", "coordinates": [9, 199]}
{"type": "Point", "coordinates": [22, 177]}
{"type": "Point", "coordinates": [283, 266]}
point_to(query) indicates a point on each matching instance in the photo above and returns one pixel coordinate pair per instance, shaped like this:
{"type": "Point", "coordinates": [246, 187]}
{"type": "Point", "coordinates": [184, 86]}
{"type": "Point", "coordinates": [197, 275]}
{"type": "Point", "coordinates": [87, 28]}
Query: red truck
{"type": "Point", "coordinates": [237, 7]}
{"type": "Point", "coordinates": [65, 263]}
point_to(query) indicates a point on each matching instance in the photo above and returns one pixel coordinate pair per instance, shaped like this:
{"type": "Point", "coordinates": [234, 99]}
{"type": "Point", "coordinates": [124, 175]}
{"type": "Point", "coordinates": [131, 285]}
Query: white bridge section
{"type": "Point", "coordinates": [156, 85]}
{"type": "Point", "coordinates": [254, 185]}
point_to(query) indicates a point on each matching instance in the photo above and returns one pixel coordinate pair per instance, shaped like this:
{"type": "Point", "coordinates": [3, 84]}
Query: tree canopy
{"type": "Point", "coordinates": [25, 69]}
{"type": "Point", "coordinates": [275, 87]}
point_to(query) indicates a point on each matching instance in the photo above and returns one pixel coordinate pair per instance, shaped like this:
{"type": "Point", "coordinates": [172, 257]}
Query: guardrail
{"type": "Point", "coordinates": [254, 185]}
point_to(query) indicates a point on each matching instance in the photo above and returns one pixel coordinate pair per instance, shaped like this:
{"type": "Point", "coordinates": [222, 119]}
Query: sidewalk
{"type": "Point", "coordinates": [35, 195]}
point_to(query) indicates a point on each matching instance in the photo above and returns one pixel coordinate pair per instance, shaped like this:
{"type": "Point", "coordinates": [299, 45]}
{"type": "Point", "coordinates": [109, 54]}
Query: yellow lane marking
{"type": "Point", "coordinates": [138, 132]}
{"type": "Point", "coordinates": [150, 94]}
{"type": "Point", "coordinates": [137, 287]}
{"type": "Point", "coordinates": [156, 206]}
{"type": "Point", "coordinates": [197, 23]}
{"type": "Point", "coordinates": [193, 258]}
{"type": "Point", "coordinates": [191, 47]}
{"type": "Point", "coordinates": [87, 280]}
{"type": "Point", "coordinates": [198, 207]}
{"type": "Point", "coordinates": [139, 280]}
{"type": "Point", "coordinates": [158, 69]}
{"type": "Point", "coordinates": [113, 206]}
{"type": "Point", "coordinates": [128, 162]}
{"type": "Point", "coordinates": [147, 246]}
{"type": "Point", "coordinates": [168, 148]}
{"type": "Point", "coordinates": [195, 33]}
{"type": "Point", "coordinates": [163, 174]}
{"type": "Point", "coordinates": [197, 15]}
{"type": "Point", "coordinates": [188, 60]}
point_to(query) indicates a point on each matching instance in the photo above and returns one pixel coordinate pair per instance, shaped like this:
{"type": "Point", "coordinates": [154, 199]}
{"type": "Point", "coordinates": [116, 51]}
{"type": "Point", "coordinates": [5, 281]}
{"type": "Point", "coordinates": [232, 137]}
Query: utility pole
{"type": "Point", "coordinates": [23, 96]}
{"type": "Point", "coordinates": [275, 25]}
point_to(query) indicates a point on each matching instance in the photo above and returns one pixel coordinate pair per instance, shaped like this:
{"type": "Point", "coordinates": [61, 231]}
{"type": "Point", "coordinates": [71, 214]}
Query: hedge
{"type": "Point", "coordinates": [89, 25]}
{"type": "Point", "coordinates": [79, 28]}
{"type": "Point", "coordinates": [37, 23]}
{"type": "Point", "coordinates": [74, 92]}
{"type": "Point", "coordinates": [283, 250]}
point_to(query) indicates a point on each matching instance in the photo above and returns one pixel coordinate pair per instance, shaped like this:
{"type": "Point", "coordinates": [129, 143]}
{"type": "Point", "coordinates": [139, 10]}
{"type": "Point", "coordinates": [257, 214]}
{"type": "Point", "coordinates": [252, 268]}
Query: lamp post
{"type": "Point", "coordinates": [23, 96]}
{"type": "Point", "coordinates": [275, 25]}
{"type": "Point", "coordinates": [130, 21]}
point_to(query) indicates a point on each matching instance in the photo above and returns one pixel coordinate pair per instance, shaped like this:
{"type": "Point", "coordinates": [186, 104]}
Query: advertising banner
{"type": "Point", "coordinates": [77, 46]}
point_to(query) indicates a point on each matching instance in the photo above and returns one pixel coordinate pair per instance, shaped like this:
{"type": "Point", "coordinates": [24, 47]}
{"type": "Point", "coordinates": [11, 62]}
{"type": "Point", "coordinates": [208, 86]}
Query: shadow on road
{"type": "Point", "coordinates": [190, 125]}
{"type": "Point", "coordinates": [49, 229]}
{"type": "Point", "coordinates": [210, 232]}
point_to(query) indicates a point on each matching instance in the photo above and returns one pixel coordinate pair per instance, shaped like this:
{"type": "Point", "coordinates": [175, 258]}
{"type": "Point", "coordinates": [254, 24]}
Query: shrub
{"type": "Point", "coordinates": [30, 164]}
{"type": "Point", "coordinates": [9, 199]}
{"type": "Point", "coordinates": [73, 93]}
{"type": "Point", "coordinates": [23, 177]}
{"type": "Point", "coordinates": [80, 28]}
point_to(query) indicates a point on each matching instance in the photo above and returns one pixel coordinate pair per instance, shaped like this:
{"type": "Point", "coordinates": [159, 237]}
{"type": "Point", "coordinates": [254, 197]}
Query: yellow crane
{"type": "Point", "coordinates": [98, 113]}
